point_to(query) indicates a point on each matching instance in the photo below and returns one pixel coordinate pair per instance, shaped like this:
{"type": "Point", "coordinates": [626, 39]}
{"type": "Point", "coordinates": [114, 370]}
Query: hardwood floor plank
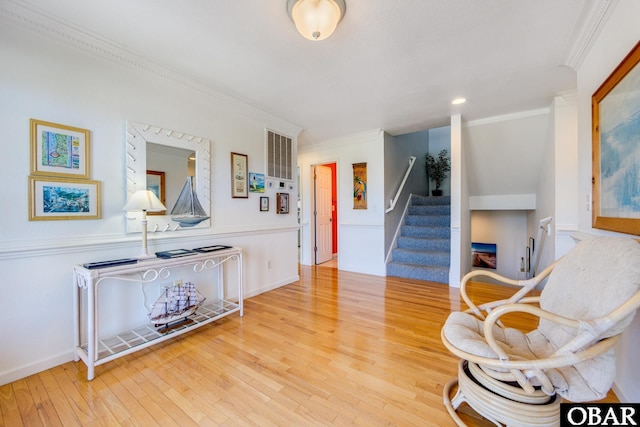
{"type": "Point", "coordinates": [334, 348]}
{"type": "Point", "coordinates": [45, 407]}
{"type": "Point", "coordinates": [25, 402]}
{"type": "Point", "coordinates": [9, 407]}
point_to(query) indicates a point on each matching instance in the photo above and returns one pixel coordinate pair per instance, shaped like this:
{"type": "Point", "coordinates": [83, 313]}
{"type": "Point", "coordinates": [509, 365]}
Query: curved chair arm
{"type": "Point", "coordinates": [555, 361]}
{"type": "Point", "coordinates": [498, 312]}
{"type": "Point", "coordinates": [525, 285]}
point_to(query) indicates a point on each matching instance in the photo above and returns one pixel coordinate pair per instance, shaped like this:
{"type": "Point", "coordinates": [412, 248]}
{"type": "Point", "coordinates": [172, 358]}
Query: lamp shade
{"type": "Point", "coordinates": [144, 200]}
{"type": "Point", "coordinates": [316, 19]}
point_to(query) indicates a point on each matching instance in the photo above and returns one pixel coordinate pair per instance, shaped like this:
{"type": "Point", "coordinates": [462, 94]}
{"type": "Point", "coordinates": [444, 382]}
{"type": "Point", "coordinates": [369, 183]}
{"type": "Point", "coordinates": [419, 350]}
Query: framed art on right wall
{"type": "Point", "coordinates": [616, 148]}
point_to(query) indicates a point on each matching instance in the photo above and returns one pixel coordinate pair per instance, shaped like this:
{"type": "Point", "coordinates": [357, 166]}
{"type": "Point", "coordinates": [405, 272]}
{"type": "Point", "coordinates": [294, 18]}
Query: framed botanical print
{"type": "Point", "coordinates": [239, 176]}
{"type": "Point", "coordinates": [59, 150]}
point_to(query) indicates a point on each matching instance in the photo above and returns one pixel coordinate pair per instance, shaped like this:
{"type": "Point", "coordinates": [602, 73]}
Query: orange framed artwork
{"type": "Point", "coordinates": [615, 109]}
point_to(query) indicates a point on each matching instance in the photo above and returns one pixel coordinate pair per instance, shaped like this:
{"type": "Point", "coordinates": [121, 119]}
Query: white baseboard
{"type": "Point", "coordinates": [271, 287]}
{"type": "Point", "coordinates": [33, 368]}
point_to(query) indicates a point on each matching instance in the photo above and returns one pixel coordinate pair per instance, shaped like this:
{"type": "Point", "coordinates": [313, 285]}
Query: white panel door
{"type": "Point", "coordinates": [324, 232]}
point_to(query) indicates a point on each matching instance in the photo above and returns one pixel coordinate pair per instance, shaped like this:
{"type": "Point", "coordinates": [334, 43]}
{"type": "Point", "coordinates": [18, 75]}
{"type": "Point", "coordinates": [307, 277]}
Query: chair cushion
{"type": "Point", "coordinates": [466, 332]}
{"type": "Point", "coordinates": [594, 278]}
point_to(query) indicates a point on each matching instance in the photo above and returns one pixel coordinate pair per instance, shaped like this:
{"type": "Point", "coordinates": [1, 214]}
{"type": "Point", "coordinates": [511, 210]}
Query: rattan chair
{"type": "Point", "coordinates": [519, 378]}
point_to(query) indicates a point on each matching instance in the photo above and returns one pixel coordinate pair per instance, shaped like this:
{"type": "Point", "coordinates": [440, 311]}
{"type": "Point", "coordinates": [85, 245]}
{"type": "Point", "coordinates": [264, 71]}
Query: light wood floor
{"type": "Point", "coordinates": [335, 348]}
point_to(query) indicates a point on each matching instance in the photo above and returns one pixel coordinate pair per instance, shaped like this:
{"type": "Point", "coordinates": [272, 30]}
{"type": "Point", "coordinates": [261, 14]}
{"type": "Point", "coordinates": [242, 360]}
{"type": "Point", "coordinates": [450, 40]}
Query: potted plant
{"type": "Point", "coordinates": [437, 169]}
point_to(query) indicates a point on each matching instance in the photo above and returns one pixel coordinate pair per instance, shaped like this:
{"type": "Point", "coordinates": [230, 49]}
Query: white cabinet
{"type": "Point", "coordinates": [95, 350]}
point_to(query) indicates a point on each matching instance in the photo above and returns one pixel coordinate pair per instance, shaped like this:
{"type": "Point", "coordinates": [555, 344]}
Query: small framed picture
{"type": "Point", "coordinates": [282, 203]}
{"type": "Point", "coordinates": [256, 182]}
{"type": "Point", "coordinates": [59, 150]}
{"type": "Point", "coordinates": [264, 204]}
{"type": "Point", "coordinates": [63, 198]}
{"type": "Point", "coordinates": [239, 176]}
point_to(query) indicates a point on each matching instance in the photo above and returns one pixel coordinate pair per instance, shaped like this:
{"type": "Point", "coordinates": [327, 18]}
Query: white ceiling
{"type": "Point", "coordinates": [394, 65]}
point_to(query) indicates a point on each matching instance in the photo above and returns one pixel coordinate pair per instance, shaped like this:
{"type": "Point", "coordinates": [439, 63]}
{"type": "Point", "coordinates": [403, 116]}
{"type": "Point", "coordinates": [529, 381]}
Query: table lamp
{"type": "Point", "coordinates": [144, 201]}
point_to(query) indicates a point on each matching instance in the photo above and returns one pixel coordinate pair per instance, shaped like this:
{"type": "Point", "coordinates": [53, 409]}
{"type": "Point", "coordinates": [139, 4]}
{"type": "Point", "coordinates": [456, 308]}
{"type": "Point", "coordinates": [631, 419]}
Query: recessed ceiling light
{"type": "Point", "coordinates": [458, 101]}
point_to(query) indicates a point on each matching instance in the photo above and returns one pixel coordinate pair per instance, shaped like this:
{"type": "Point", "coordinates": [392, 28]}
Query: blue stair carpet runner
{"type": "Point", "coordinates": [424, 245]}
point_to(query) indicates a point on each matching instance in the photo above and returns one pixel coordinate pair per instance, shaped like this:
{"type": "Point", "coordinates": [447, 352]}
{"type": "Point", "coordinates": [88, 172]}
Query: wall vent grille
{"type": "Point", "coordinates": [279, 156]}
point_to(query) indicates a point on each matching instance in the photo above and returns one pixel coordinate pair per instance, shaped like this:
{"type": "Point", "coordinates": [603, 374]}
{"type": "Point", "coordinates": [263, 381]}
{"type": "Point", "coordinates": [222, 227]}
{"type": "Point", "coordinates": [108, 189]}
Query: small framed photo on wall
{"type": "Point", "coordinates": [282, 203]}
{"type": "Point", "coordinates": [264, 204]}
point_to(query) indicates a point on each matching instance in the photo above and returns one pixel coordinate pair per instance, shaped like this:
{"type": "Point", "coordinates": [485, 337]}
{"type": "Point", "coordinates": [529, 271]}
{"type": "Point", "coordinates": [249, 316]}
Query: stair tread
{"type": "Point", "coordinates": [421, 266]}
{"type": "Point", "coordinates": [421, 250]}
{"type": "Point", "coordinates": [422, 238]}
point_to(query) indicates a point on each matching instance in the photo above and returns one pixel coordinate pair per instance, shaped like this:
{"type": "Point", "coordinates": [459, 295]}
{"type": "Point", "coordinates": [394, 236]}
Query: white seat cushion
{"type": "Point", "coordinates": [466, 332]}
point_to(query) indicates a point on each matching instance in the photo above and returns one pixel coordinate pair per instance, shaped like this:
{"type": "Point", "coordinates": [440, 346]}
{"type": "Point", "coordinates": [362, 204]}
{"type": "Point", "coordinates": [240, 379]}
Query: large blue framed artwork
{"type": "Point", "coordinates": [616, 148]}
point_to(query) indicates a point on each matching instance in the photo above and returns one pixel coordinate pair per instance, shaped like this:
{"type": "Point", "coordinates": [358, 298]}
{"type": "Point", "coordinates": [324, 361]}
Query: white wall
{"type": "Point", "coordinates": [440, 139]}
{"type": "Point", "coordinates": [508, 230]}
{"type": "Point", "coordinates": [360, 231]}
{"type": "Point", "coordinates": [567, 203]}
{"type": "Point", "coordinates": [460, 215]}
{"type": "Point", "coordinates": [545, 197]}
{"type": "Point", "coordinates": [613, 43]}
{"type": "Point", "coordinates": [72, 82]}
{"type": "Point", "coordinates": [397, 151]}
{"type": "Point", "coordinates": [505, 153]}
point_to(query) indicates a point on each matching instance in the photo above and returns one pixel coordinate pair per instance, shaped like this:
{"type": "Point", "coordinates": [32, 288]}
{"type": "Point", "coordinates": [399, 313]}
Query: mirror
{"type": "Point", "coordinates": [167, 168]}
{"type": "Point", "coordinates": [167, 157]}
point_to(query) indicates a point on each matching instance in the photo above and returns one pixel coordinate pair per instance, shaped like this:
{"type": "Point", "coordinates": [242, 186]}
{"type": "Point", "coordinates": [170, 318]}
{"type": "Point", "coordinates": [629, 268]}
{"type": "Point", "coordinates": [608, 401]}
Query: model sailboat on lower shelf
{"type": "Point", "coordinates": [176, 303]}
{"type": "Point", "coordinates": [188, 211]}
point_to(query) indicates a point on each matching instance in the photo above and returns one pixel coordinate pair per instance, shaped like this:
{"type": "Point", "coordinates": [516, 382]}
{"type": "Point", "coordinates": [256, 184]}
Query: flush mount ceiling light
{"type": "Point", "coordinates": [316, 19]}
{"type": "Point", "coordinates": [458, 101]}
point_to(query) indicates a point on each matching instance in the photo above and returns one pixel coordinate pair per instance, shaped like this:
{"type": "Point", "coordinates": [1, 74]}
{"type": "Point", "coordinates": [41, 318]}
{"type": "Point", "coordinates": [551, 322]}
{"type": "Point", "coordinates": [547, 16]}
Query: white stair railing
{"type": "Point", "coordinates": [393, 201]}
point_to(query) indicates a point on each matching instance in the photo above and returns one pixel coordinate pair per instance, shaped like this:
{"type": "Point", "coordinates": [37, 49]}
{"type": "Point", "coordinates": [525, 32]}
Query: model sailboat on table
{"type": "Point", "coordinates": [188, 211]}
{"type": "Point", "coordinates": [176, 303]}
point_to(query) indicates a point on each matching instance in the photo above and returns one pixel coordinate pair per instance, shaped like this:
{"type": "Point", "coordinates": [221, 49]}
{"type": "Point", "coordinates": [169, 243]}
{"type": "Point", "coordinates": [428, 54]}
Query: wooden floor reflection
{"type": "Point", "coordinates": [334, 348]}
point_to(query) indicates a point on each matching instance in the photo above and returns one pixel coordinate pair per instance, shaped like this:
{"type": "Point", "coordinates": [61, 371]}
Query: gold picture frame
{"type": "Point", "coordinates": [59, 150]}
{"type": "Point", "coordinates": [615, 109]}
{"type": "Point", "coordinates": [53, 198]}
{"type": "Point", "coordinates": [239, 176]}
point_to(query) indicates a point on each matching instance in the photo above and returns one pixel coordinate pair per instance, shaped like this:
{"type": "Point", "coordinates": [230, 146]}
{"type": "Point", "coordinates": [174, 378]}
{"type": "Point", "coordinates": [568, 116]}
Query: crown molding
{"type": "Point", "coordinates": [59, 29]}
{"type": "Point", "coordinates": [594, 15]}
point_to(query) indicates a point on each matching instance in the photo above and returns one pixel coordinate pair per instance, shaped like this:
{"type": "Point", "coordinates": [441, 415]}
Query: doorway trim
{"type": "Point", "coordinates": [313, 216]}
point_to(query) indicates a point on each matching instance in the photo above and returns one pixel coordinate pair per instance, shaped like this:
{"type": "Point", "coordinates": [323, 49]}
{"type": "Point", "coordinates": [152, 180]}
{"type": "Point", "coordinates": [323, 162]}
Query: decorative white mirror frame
{"type": "Point", "coordinates": [137, 137]}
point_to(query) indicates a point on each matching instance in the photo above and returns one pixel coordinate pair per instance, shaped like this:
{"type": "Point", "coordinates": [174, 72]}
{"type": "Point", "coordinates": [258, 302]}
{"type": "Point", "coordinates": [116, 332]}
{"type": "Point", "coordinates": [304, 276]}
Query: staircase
{"type": "Point", "coordinates": [424, 244]}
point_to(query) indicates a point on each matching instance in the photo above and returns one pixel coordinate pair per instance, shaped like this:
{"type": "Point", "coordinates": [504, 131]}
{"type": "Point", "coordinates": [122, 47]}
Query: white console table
{"type": "Point", "coordinates": [96, 350]}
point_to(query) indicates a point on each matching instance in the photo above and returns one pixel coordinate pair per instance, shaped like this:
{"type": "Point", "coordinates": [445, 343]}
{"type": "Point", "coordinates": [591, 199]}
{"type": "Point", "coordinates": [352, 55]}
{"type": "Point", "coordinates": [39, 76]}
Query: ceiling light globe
{"type": "Point", "coordinates": [316, 19]}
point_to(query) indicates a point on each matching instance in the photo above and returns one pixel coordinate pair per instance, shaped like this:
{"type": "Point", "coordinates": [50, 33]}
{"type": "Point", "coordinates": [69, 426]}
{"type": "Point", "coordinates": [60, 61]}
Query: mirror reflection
{"type": "Point", "coordinates": [162, 160]}
{"type": "Point", "coordinates": [167, 169]}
